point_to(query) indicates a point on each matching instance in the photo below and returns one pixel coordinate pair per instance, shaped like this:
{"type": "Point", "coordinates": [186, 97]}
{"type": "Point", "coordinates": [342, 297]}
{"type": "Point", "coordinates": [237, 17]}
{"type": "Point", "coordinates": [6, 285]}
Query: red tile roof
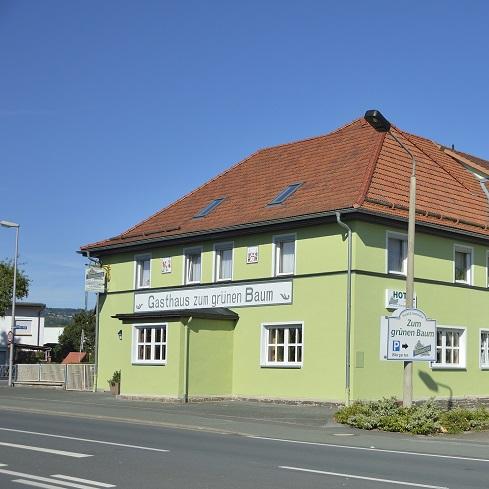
{"type": "Point", "coordinates": [352, 167]}
{"type": "Point", "coordinates": [74, 357]}
{"type": "Point", "coordinates": [474, 162]}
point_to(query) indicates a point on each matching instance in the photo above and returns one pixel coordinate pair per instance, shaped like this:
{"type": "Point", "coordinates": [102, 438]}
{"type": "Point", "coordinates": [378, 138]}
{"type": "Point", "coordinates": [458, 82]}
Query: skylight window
{"type": "Point", "coordinates": [285, 194]}
{"type": "Point", "coordinates": [208, 208]}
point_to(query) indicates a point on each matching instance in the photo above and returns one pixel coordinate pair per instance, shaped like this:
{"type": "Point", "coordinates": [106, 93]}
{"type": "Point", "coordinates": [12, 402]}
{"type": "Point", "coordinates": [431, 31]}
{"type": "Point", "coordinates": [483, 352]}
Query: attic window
{"type": "Point", "coordinates": [285, 194]}
{"type": "Point", "coordinates": [208, 208]}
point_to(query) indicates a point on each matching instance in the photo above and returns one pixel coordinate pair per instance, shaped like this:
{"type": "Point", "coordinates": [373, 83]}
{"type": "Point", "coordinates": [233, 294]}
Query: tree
{"type": "Point", "coordinates": [69, 340]}
{"type": "Point", "coordinates": [7, 285]}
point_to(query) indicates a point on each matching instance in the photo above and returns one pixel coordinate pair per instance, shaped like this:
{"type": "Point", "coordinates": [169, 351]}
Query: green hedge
{"type": "Point", "coordinates": [423, 419]}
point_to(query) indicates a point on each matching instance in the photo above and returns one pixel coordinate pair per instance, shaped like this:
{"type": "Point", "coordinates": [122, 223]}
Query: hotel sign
{"type": "Point", "coordinates": [394, 299]}
{"type": "Point", "coordinates": [232, 295]}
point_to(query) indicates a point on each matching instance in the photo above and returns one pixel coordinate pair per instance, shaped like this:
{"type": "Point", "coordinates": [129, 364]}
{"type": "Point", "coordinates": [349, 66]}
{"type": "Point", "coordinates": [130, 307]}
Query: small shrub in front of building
{"type": "Point", "coordinates": [423, 419]}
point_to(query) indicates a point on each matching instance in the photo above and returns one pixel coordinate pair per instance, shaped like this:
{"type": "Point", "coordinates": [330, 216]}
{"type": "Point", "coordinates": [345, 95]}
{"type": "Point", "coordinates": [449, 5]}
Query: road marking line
{"type": "Point", "coordinates": [46, 479]}
{"type": "Point", "coordinates": [40, 484]}
{"type": "Point", "coordinates": [351, 476]}
{"type": "Point", "coordinates": [46, 450]}
{"type": "Point", "coordinates": [86, 481]}
{"type": "Point", "coordinates": [382, 450]}
{"type": "Point", "coordinates": [43, 479]}
{"type": "Point", "coordinates": [88, 440]}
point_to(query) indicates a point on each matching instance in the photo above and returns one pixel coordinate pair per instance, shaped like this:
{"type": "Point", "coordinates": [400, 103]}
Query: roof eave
{"type": "Point", "coordinates": [426, 226]}
{"type": "Point", "coordinates": [210, 232]}
{"type": "Point", "coordinates": [358, 211]}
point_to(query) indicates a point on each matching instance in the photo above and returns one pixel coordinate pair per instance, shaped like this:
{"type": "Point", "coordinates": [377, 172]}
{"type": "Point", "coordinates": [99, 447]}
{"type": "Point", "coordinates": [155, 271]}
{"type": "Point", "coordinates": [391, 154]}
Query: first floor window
{"type": "Point", "coordinates": [450, 348]}
{"type": "Point", "coordinates": [193, 266]}
{"type": "Point", "coordinates": [282, 345]}
{"type": "Point", "coordinates": [396, 255]}
{"type": "Point", "coordinates": [463, 265]}
{"type": "Point", "coordinates": [150, 344]}
{"type": "Point", "coordinates": [143, 271]}
{"type": "Point", "coordinates": [284, 255]}
{"type": "Point", "coordinates": [484, 358]}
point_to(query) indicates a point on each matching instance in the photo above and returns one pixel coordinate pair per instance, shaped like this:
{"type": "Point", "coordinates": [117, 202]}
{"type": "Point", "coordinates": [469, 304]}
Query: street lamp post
{"type": "Point", "coordinates": [381, 124]}
{"type": "Point", "coordinates": [8, 224]}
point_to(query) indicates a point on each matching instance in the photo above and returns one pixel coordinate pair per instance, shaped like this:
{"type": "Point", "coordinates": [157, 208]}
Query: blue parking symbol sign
{"type": "Point", "coordinates": [396, 345]}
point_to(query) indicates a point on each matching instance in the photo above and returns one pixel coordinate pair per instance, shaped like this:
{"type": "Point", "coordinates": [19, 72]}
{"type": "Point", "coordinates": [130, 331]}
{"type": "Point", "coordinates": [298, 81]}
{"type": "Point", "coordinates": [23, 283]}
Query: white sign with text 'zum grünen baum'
{"type": "Point", "coordinates": [411, 336]}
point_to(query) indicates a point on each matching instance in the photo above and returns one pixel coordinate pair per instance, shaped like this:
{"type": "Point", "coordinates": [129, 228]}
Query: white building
{"type": "Point", "coordinates": [29, 320]}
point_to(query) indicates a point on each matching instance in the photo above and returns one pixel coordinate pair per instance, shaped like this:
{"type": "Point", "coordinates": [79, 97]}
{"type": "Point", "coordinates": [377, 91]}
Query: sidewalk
{"type": "Point", "coordinates": [244, 417]}
{"type": "Point", "coordinates": [304, 423]}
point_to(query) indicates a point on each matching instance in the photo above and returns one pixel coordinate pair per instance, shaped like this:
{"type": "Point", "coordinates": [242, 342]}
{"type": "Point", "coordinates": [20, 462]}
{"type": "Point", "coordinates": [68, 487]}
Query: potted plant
{"type": "Point", "coordinates": [115, 383]}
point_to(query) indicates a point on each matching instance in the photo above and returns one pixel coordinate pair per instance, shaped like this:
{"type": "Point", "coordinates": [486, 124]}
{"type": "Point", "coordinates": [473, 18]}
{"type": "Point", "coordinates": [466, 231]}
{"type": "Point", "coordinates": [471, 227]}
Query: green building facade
{"type": "Point", "coordinates": [257, 307]}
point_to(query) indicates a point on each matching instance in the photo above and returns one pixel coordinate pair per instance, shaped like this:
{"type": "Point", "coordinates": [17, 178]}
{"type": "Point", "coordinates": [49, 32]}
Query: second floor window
{"type": "Point", "coordinates": [224, 262]}
{"type": "Point", "coordinates": [284, 255]}
{"type": "Point", "coordinates": [463, 265]}
{"type": "Point", "coordinates": [487, 270]}
{"type": "Point", "coordinates": [143, 271]}
{"type": "Point", "coordinates": [396, 254]}
{"type": "Point", "coordinates": [193, 266]}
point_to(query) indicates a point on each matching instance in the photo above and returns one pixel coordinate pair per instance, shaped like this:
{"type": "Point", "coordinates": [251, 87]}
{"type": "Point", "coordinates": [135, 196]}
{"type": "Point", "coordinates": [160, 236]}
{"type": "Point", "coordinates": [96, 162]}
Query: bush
{"type": "Point", "coordinates": [462, 419]}
{"type": "Point", "coordinates": [423, 419]}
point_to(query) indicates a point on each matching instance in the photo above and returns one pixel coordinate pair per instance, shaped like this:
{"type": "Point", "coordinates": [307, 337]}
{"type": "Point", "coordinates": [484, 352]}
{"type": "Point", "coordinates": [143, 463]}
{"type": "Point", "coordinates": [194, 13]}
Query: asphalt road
{"type": "Point", "coordinates": [53, 452]}
{"type": "Point", "coordinates": [60, 439]}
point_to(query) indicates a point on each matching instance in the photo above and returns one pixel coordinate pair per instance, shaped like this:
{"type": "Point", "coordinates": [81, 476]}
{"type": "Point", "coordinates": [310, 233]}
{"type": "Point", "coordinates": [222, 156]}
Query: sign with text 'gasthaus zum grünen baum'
{"type": "Point", "coordinates": [408, 335]}
{"type": "Point", "coordinates": [248, 294]}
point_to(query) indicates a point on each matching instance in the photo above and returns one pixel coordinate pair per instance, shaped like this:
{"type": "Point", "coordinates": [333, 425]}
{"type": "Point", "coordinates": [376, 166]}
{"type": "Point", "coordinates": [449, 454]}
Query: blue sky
{"type": "Point", "coordinates": [110, 110]}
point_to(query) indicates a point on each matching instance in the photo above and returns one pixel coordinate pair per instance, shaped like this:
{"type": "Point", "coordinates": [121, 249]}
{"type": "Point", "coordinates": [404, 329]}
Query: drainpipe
{"type": "Point", "coordinates": [186, 359]}
{"type": "Point", "coordinates": [348, 310]}
{"type": "Point", "coordinates": [39, 328]}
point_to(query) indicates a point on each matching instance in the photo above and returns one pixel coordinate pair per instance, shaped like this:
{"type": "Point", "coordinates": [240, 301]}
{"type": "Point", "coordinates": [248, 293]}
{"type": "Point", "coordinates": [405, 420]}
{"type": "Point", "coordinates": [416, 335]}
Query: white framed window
{"type": "Point", "coordinates": [462, 264]}
{"type": "Point", "coordinates": [282, 344]}
{"type": "Point", "coordinates": [450, 347]}
{"type": "Point", "coordinates": [142, 271]}
{"type": "Point", "coordinates": [149, 343]}
{"type": "Point", "coordinates": [223, 262]}
{"type": "Point", "coordinates": [396, 253]}
{"type": "Point", "coordinates": [193, 265]}
{"type": "Point", "coordinates": [284, 254]}
{"type": "Point", "coordinates": [484, 349]}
